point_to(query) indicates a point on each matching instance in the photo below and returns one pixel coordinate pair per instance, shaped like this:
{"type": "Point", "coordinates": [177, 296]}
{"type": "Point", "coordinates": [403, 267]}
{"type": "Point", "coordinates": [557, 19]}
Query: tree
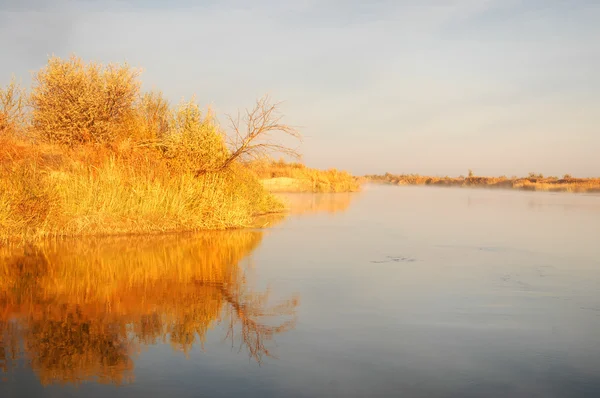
{"type": "Point", "coordinates": [253, 133]}
{"type": "Point", "coordinates": [74, 102]}
{"type": "Point", "coordinates": [194, 142]}
{"type": "Point", "coordinates": [155, 115]}
{"type": "Point", "coordinates": [12, 108]}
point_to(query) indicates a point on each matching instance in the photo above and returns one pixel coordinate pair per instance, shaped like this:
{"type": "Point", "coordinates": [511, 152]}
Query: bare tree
{"type": "Point", "coordinates": [253, 136]}
{"type": "Point", "coordinates": [253, 132]}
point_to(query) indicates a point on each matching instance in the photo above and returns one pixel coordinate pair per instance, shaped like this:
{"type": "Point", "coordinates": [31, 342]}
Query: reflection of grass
{"type": "Point", "coordinates": [82, 307]}
{"type": "Point", "coordinates": [532, 183]}
{"type": "Point", "coordinates": [302, 203]}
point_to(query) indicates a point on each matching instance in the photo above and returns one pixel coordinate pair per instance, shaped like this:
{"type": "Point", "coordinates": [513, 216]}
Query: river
{"type": "Point", "coordinates": [393, 291]}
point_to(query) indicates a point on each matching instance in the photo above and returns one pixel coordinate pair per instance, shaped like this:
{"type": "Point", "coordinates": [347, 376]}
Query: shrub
{"type": "Point", "coordinates": [154, 116]}
{"type": "Point", "coordinates": [12, 113]}
{"type": "Point", "coordinates": [193, 142]}
{"type": "Point", "coordinates": [110, 161]}
{"type": "Point", "coordinates": [73, 102]}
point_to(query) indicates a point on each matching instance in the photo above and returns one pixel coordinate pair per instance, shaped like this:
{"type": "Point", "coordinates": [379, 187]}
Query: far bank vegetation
{"type": "Point", "coordinates": [533, 182]}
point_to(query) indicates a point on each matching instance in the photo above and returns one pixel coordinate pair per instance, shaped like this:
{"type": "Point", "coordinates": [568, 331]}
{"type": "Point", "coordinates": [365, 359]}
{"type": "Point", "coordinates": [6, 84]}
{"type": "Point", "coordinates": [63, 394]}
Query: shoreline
{"type": "Point", "coordinates": [567, 185]}
{"type": "Point", "coordinates": [33, 240]}
{"type": "Point", "coordinates": [302, 185]}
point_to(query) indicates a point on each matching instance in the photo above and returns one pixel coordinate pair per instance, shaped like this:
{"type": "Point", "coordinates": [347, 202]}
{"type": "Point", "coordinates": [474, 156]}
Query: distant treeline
{"type": "Point", "coordinates": [533, 182]}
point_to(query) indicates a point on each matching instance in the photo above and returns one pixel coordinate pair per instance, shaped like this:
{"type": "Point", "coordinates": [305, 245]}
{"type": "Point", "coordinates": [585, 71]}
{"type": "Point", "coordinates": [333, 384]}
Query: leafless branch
{"type": "Point", "coordinates": [253, 133]}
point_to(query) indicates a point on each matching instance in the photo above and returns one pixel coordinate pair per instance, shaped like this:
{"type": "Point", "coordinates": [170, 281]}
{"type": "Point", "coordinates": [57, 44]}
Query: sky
{"type": "Point", "coordinates": [502, 87]}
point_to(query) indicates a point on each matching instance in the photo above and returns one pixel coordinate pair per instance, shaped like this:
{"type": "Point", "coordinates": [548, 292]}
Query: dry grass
{"type": "Point", "coordinates": [45, 191]}
{"type": "Point", "coordinates": [84, 308]}
{"type": "Point", "coordinates": [534, 182]}
{"type": "Point", "coordinates": [77, 102]}
{"type": "Point", "coordinates": [279, 176]}
{"type": "Point", "coordinates": [96, 156]}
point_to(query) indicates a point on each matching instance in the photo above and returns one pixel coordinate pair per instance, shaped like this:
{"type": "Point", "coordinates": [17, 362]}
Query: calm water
{"type": "Point", "coordinates": [396, 291]}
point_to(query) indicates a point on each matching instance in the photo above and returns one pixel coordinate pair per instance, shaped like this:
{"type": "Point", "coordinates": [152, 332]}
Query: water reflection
{"type": "Point", "coordinates": [306, 204]}
{"type": "Point", "coordinates": [82, 310]}
{"type": "Point", "coordinates": [310, 203]}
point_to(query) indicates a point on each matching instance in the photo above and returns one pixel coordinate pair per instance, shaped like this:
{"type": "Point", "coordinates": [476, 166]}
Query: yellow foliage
{"type": "Point", "coordinates": [154, 114]}
{"type": "Point", "coordinates": [12, 113]}
{"type": "Point", "coordinates": [279, 176]}
{"type": "Point", "coordinates": [74, 102]}
{"type": "Point", "coordinates": [112, 161]}
{"type": "Point", "coordinates": [194, 142]}
{"type": "Point", "coordinates": [52, 193]}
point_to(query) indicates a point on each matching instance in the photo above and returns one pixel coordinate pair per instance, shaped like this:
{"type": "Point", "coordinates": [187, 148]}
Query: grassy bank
{"type": "Point", "coordinates": [48, 191]}
{"type": "Point", "coordinates": [280, 176]}
{"type": "Point", "coordinates": [85, 152]}
{"type": "Point", "coordinates": [531, 183]}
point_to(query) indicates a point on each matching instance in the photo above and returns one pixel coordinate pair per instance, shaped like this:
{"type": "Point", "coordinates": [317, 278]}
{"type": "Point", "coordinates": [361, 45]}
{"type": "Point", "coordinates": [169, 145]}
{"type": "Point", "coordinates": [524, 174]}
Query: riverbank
{"type": "Point", "coordinates": [46, 191]}
{"type": "Point", "coordinates": [280, 176]}
{"type": "Point", "coordinates": [531, 183]}
{"type": "Point", "coordinates": [94, 155]}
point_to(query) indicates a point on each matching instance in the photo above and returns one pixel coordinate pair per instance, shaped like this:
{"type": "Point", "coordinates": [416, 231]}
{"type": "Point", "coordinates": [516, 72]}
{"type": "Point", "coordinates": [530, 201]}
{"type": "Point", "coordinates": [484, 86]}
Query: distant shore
{"type": "Point", "coordinates": [530, 183]}
{"type": "Point", "coordinates": [298, 185]}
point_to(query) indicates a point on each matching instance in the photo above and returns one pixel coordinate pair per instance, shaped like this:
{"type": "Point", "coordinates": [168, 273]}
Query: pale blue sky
{"type": "Point", "coordinates": [427, 86]}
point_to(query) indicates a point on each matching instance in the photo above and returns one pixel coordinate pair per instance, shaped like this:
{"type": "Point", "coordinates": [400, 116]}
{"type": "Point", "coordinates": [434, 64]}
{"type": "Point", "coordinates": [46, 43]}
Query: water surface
{"type": "Point", "coordinates": [395, 291]}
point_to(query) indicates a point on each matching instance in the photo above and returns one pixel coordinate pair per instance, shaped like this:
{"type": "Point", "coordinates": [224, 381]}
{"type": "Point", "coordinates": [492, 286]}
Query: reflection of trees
{"type": "Point", "coordinates": [75, 347]}
{"type": "Point", "coordinates": [81, 310]}
{"type": "Point", "coordinates": [243, 313]}
{"type": "Point", "coordinates": [9, 345]}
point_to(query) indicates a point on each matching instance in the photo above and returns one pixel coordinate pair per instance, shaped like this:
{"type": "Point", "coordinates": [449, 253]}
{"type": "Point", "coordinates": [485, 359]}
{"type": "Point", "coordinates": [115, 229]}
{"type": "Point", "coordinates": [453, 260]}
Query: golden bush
{"type": "Point", "coordinates": [74, 102]}
{"type": "Point", "coordinates": [12, 112]}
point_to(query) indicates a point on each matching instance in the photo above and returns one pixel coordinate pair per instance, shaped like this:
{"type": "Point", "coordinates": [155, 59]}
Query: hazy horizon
{"type": "Point", "coordinates": [502, 87]}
